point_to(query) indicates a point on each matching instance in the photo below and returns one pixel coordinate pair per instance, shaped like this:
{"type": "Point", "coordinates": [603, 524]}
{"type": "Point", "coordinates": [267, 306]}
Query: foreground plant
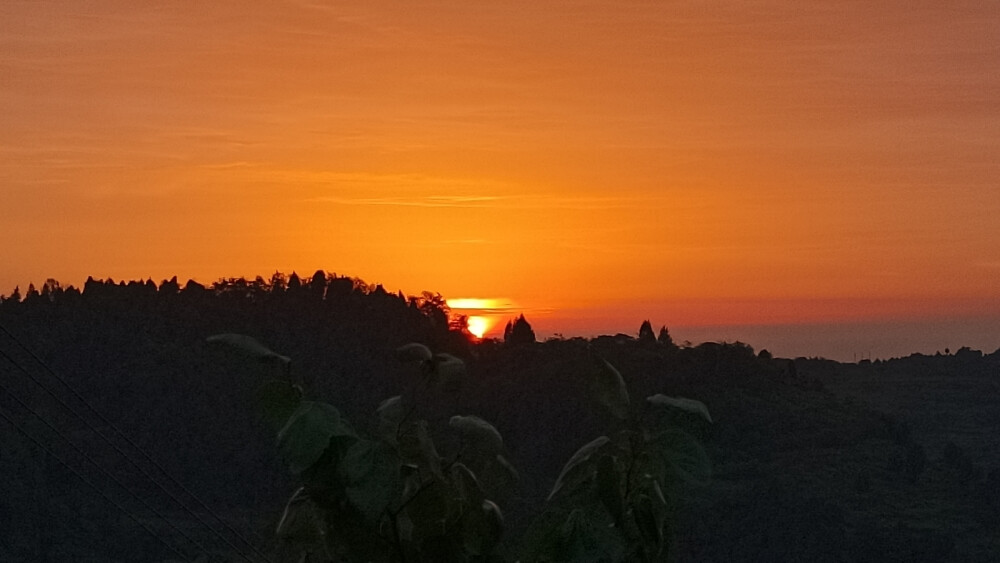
{"type": "Point", "coordinates": [392, 497]}
{"type": "Point", "coordinates": [616, 498]}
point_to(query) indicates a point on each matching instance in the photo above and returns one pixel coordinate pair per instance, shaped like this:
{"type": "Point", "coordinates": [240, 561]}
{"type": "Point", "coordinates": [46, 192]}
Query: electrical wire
{"type": "Point", "coordinates": [89, 483]}
{"type": "Point", "coordinates": [142, 452]}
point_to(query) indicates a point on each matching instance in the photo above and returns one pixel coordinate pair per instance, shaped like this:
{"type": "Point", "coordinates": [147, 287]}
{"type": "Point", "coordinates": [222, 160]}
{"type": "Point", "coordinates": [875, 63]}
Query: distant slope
{"type": "Point", "coordinates": [814, 460]}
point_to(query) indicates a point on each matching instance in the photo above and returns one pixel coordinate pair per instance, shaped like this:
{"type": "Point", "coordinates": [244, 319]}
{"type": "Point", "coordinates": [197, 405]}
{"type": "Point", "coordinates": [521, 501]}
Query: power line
{"type": "Point", "coordinates": [102, 470]}
{"type": "Point", "coordinates": [90, 484]}
{"type": "Point", "coordinates": [122, 453]}
{"type": "Point", "coordinates": [142, 452]}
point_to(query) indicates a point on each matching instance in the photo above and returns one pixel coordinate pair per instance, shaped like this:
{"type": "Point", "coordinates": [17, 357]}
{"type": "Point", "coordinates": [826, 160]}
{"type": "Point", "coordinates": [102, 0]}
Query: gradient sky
{"type": "Point", "coordinates": [701, 164]}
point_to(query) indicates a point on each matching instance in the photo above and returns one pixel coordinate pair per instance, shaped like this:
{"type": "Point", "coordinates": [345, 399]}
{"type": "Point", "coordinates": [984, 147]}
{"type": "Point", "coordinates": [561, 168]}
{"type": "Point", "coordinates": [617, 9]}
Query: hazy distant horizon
{"type": "Point", "coordinates": [844, 340]}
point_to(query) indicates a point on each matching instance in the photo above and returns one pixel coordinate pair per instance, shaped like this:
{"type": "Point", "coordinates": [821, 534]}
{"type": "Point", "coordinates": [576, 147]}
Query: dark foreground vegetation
{"type": "Point", "coordinates": [813, 460]}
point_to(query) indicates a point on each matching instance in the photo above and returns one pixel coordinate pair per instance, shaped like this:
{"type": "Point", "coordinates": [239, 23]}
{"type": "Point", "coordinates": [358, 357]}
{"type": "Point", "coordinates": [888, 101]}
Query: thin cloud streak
{"type": "Point", "coordinates": [428, 201]}
{"type": "Point", "coordinates": [492, 202]}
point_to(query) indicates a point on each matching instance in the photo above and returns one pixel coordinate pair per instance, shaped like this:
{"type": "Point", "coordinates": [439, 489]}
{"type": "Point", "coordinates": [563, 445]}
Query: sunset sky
{"type": "Point", "coordinates": [817, 178]}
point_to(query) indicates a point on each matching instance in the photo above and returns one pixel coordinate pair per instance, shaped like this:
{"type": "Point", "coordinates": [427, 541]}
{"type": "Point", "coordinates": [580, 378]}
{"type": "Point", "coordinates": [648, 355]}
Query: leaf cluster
{"type": "Point", "coordinates": [393, 496]}
{"type": "Point", "coordinates": [616, 498]}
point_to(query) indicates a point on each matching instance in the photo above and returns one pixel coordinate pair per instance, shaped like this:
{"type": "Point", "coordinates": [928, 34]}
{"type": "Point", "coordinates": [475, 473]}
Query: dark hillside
{"type": "Point", "coordinates": [138, 354]}
{"type": "Point", "coordinates": [947, 407]}
{"type": "Point", "coordinates": [814, 460]}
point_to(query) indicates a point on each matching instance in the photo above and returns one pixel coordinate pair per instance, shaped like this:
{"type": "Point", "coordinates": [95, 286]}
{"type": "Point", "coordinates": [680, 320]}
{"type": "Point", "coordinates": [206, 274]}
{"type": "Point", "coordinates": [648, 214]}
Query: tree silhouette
{"type": "Point", "coordinates": [664, 337]}
{"type": "Point", "coordinates": [317, 284]}
{"type": "Point", "coordinates": [51, 290]}
{"type": "Point", "coordinates": [191, 288]}
{"type": "Point", "coordinates": [646, 335]}
{"type": "Point", "coordinates": [339, 288]}
{"type": "Point", "coordinates": [170, 287]}
{"type": "Point", "coordinates": [459, 323]}
{"type": "Point", "coordinates": [435, 307]}
{"type": "Point", "coordinates": [519, 332]}
{"type": "Point", "coordinates": [278, 282]}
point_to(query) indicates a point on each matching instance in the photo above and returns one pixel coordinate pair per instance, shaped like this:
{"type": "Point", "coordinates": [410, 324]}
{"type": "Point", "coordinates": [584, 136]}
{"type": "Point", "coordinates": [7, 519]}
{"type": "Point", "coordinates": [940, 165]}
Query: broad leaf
{"type": "Point", "coordinates": [449, 371]}
{"type": "Point", "coordinates": [579, 468]}
{"type": "Point", "coordinates": [250, 347]}
{"type": "Point", "coordinates": [390, 415]}
{"type": "Point", "coordinates": [368, 471]}
{"type": "Point", "coordinates": [409, 476]}
{"type": "Point", "coordinates": [682, 454]}
{"type": "Point", "coordinates": [298, 498]}
{"type": "Point", "coordinates": [301, 522]}
{"type": "Point", "coordinates": [508, 469]}
{"type": "Point", "coordinates": [357, 463]}
{"type": "Point", "coordinates": [278, 400]}
{"type": "Point", "coordinates": [686, 405]}
{"type": "Point", "coordinates": [413, 352]}
{"type": "Point", "coordinates": [467, 486]}
{"type": "Point", "coordinates": [644, 514]}
{"type": "Point", "coordinates": [416, 448]}
{"type": "Point", "coordinates": [481, 528]}
{"type": "Point", "coordinates": [651, 509]}
{"type": "Point", "coordinates": [609, 488]}
{"type": "Point", "coordinates": [430, 509]}
{"type": "Point", "coordinates": [493, 518]}
{"type": "Point", "coordinates": [307, 434]}
{"type": "Point", "coordinates": [609, 389]}
{"type": "Point", "coordinates": [479, 433]}
{"type": "Point", "coordinates": [404, 526]}
{"type": "Point", "coordinates": [571, 537]}
{"type": "Point", "coordinates": [481, 521]}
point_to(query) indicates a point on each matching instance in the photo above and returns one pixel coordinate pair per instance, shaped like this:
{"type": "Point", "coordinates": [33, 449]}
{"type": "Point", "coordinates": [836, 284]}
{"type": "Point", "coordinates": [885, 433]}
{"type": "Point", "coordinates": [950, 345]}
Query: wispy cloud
{"type": "Point", "coordinates": [542, 202]}
{"type": "Point", "coordinates": [230, 165]}
{"type": "Point", "coordinates": [426, 191]}
{"type": "Point", "coordinates": [468, 241]}
{"type": "Point", "coordinates": [427, 201]}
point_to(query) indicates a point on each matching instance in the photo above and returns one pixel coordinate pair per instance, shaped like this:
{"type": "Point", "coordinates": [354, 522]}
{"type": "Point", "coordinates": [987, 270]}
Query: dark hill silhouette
{"type": "Point", "coordinates": [802, 473]}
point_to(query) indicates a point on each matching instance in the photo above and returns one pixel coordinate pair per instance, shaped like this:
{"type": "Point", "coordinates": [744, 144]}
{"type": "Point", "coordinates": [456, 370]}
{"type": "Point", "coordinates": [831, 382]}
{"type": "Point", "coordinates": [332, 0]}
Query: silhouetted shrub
{"type": "Point", "coordinates": [519, 332]}
{"type": "Point", "coordinates": [170, 287]}
{"type": "Point", "coordinates": [664, 338]}
{"type": "Point", "coordinates": [646, 335]}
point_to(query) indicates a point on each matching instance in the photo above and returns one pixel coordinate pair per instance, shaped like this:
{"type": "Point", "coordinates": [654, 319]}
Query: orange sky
{"type": "Point", "coordinates": [595, 163]}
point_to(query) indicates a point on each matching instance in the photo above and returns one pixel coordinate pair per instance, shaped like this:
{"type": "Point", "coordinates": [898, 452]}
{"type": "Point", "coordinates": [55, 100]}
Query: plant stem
{"type": "Point", "coordinates": [411, 394]}
{"type": "Point", "coordinates": [397, 542]}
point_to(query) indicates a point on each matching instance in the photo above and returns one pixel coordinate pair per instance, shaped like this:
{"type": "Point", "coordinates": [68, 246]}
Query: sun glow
{"type": "Point", "coordinates": [481, 314]}
{"type": "Point", "coordinates": [478, 325]}
{"type": "Point", "coordinates": [474, 303]}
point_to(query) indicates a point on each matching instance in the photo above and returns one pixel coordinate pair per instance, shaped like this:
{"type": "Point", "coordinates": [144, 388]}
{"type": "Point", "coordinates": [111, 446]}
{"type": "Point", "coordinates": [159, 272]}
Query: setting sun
{"type": "Point", "coordinates": [480, 313]}
{"type": "Point", "coordinates": [478, 325]}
